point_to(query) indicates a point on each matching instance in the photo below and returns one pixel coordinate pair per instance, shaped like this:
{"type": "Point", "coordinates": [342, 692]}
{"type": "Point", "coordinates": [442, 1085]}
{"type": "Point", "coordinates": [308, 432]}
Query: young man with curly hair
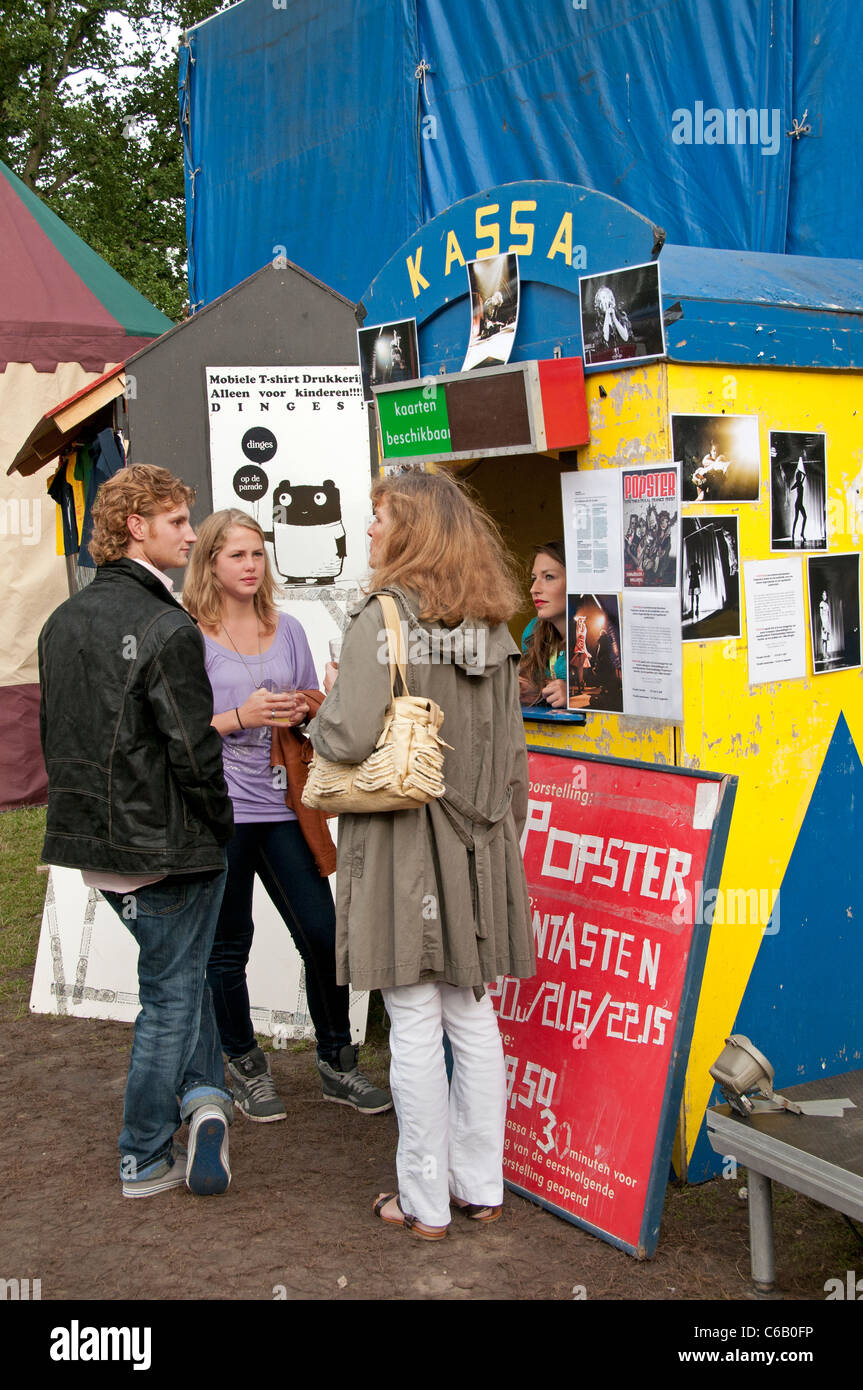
{"type": "Point", "coordinates": [138, 802]}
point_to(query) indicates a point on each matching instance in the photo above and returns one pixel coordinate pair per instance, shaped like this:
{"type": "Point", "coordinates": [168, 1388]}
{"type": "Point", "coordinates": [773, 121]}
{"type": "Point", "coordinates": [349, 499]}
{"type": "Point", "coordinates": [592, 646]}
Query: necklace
{"type": "Point", "coordinates": [260, 681]}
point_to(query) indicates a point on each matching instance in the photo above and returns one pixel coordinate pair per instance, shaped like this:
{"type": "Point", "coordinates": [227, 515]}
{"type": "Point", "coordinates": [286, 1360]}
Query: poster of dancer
{"type": "Point", "coordinates": [719, 457]}
{"type": "Point", "coordinates": [621, 316]}
{"type": "Point", "coordinates": [388, 353]}
{"type": "Point", "coordinates": [494, 311]}
{"type": "Point", "coordinates": [834, 612]}
{"type": "Point", "coordinates": [593, 623]}
{"type": "Point", "coordinates": [798, 491]}
{"type": "Point", "coordinates": [651, 516]}
{"type": "Point", "coordinates": [710, 578]}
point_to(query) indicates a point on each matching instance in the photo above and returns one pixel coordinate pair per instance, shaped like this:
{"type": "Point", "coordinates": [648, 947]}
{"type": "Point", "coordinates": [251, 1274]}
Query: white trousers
{"type": "Point", "coordinates": [450, 1138]}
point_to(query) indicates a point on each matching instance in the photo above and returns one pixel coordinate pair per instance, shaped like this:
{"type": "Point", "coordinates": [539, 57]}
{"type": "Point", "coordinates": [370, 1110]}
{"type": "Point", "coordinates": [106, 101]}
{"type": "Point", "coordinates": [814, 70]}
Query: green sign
{"type": "Point", "coordinates": [414, 422]}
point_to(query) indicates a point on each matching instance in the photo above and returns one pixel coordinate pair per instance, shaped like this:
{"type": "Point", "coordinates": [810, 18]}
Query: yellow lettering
{"type": "Point", "coordinates": [492, 231]}
{"type": "Point", "coordinates": [562, 244]}
{"type": "Point", "coordinates": [418, 280]}
{"type": "Point", "coordinates": [524, 229]}
{"type": "Point", "coordinates": [453, 251]}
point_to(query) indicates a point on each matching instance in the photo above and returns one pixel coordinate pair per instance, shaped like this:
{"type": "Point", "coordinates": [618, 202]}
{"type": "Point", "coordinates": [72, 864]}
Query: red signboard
{"type": "Point", "coordinates": [617, 856]}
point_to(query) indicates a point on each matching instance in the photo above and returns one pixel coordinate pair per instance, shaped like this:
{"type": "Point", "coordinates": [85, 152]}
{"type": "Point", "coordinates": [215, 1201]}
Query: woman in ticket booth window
{"type": "Point", "coordinates": [542, 674]}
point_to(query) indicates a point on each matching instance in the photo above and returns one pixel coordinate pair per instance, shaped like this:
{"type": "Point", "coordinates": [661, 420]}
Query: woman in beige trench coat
{"type": "Point", "coordinates": [432, 903]}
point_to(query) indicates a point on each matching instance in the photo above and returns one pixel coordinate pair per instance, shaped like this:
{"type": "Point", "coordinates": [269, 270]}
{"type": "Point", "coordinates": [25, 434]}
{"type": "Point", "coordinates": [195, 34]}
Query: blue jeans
{"type": "Point", "coordinates": [175, 1053]}
{"type": "Point", "coordinates": [277, 852]}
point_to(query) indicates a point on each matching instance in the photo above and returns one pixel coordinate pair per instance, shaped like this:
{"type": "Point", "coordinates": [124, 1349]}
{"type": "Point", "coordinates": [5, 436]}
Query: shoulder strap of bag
{"type": "Point", "coordinates": [395, 644]}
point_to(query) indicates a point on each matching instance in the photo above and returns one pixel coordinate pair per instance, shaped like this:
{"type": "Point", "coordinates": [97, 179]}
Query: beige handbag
{"type": "Point", "coordinates": [406, 768]}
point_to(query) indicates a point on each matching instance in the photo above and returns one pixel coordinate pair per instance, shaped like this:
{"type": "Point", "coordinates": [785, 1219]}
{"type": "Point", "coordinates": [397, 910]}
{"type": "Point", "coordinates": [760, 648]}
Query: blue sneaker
{"type": "Point", "coordinates": [207, 1170]}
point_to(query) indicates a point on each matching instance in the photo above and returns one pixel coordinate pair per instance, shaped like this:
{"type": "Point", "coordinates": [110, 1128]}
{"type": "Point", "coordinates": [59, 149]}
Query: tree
{"type": "Point", "coordinates": [89, 121]}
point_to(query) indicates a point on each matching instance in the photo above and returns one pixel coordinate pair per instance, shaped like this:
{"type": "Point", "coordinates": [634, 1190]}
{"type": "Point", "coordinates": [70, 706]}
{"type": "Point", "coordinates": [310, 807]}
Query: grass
{"type": "Point", "coordinates": [22, 894]}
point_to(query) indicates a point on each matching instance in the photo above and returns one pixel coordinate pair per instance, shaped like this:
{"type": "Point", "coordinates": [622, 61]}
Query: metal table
{"type": "Point", "coordinates": [821, 1156]}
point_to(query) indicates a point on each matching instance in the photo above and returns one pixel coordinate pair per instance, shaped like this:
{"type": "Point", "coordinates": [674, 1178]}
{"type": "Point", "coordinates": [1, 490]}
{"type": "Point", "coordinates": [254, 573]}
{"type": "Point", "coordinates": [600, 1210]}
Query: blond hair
{"type": "Point", "coordinates": [202, 592]}
{"type": "Point", "coordinates": [442, 546]}
{"type": "Point", "coordinates": [142, 490]}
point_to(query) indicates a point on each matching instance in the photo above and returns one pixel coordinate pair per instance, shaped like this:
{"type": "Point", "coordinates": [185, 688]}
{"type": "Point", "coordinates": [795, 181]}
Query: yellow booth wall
{"type": "Point", "coordinates": [772, 737]}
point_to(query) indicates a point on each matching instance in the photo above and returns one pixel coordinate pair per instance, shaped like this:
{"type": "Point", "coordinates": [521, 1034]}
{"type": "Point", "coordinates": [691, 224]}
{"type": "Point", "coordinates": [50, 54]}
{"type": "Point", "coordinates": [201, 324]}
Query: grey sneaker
{"type": "Point", "coordinates": [172, 1174]}
{"type": "Point", "coordinates": [253, 1090]}
{"type": "Point", "coordinates": [346, 1085]}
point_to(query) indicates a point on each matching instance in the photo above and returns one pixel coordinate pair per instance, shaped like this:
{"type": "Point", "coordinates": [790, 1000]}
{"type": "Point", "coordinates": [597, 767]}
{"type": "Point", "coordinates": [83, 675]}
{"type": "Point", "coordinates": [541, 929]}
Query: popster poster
{"type": "Point", "coordinates": [651, 518]}
{"type": "Point", "coordinates": [596, 1042]}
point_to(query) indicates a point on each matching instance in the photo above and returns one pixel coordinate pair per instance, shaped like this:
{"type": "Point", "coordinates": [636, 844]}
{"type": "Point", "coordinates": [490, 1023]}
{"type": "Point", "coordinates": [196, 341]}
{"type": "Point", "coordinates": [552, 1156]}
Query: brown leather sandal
{"type": "Point", "coordinates": [477, 1213]}
{"type": "Point", "coordinates": [410, 1223]}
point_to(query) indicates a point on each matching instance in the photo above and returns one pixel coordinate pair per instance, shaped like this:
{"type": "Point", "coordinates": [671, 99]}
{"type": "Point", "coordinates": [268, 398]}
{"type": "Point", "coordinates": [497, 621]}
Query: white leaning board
{"type": "Point", "coordinates": [86, 964]}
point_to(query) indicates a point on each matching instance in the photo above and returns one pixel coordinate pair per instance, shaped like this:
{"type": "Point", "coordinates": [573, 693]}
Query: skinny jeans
{"type": "Point", "coordinates": [277, 852]}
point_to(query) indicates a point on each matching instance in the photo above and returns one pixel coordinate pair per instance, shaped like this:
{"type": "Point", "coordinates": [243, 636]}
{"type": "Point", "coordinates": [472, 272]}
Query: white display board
{"type": "Point", "coordinates": [86, 964]}
{"type": "Point", "coordinates": [290, 445]}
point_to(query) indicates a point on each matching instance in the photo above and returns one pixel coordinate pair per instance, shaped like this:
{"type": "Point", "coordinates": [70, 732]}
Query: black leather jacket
{"type": "Point", "coordinates": [134, 765]}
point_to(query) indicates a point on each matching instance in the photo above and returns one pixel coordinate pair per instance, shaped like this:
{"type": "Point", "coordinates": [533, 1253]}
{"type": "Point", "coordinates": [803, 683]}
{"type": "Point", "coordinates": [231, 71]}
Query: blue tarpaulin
{"type": "Point", "coordinates": [329, 134]}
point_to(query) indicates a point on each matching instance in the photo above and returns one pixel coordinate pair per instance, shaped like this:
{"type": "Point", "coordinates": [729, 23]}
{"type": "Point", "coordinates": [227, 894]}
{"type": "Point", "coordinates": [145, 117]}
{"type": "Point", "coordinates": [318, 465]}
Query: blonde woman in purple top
{"type": "Point", "coordinates": [257, 660]}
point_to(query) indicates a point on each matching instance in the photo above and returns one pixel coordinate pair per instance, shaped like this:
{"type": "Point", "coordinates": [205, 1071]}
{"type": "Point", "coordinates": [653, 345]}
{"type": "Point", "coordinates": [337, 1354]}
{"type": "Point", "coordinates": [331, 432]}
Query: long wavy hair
{"type": "Point", "coordinates": [545, 640]}
{"type": "Point", "coordinates": [141, 490]}
{"type": "Point", "coordinates": [202, 592]}
{"type": "Point", "coordinates": [444, 547]}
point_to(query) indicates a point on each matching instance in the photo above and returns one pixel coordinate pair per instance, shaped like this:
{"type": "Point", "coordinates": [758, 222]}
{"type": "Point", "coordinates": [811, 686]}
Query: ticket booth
{"type": "Point", "coordinates": [761, 359]}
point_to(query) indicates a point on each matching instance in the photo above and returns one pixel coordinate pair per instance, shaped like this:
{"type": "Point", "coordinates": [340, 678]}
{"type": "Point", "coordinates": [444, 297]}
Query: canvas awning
{"type": "Point", "coordinates": [60, 426]}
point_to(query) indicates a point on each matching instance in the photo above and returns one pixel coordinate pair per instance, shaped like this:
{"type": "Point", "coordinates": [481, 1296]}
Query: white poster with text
{"type": "Point", "coordinates": [290, 445]}
{"type": "Point", "coordinates": [592, 530]}
{"type": "Point", "coordinates": [775, 619]}
{"type": "Point", "coordinates": [652, 655]}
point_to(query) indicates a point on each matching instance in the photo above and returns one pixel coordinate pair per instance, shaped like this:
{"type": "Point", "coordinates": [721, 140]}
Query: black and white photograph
{"type": "Point", "coordinates": [494, 295]}
{"type": "Point", "coordinates": [388, 353]}
{"type": "Point", "coordinates": [621, 316]}
{"type": "Point", "coordinates": [650, 517]}
{"type": "Point", "coordinates": [798, 491]}
{"type": "Point", "coordinates": [710, 578]}
{"type": "Point", "coordinates": [834, 612]}
{"type": "Point", "coordinates": [719, 457]}
{"type": "Point", "coordinates": [594, 663]}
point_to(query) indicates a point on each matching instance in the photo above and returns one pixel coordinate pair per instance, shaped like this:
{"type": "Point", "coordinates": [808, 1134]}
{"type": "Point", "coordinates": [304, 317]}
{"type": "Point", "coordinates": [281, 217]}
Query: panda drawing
{"type": "Point", "coordinates": [308, 535]}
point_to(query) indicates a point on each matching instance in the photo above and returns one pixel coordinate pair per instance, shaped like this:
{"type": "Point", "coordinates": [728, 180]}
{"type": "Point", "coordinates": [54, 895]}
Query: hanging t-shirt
{"type": "Point", "coordinates": [286, 665]}
{"type": "Point", "coordinates": [104, 457]}
{"type": "Point", "coordinates": [69, 496]}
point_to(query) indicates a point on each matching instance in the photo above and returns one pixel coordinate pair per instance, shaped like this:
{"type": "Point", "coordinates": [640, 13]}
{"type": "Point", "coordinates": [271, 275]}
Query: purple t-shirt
{"type": "Point", "coordinates": [288, 665]}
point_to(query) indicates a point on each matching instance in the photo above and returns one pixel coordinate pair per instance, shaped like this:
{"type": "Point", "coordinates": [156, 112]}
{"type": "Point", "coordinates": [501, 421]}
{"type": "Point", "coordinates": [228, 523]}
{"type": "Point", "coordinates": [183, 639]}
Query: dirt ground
{"type": "Point", "coordinates": [296, 1222]}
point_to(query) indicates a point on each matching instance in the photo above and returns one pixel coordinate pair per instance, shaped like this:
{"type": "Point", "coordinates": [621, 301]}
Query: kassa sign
{"type": "Point", "coordinates": [617, 856]}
